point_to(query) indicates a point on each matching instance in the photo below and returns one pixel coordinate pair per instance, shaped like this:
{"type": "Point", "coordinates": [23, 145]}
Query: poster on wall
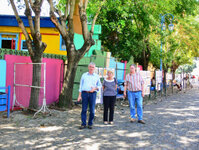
{"type": "Point", "coordinates": [99, 96]}
{"type": "Point", "coordinates": [168, 78]}
{"type": "Point", "coordinates": [158, 78]}
{"type": "Point", "coordinates": [96, 70]}
{"type": "Point", "coordinates": [146, 75]}
{"type": "Point", "coordinates": [99, 71]}
{"type": "Point", "coordinates": [102, 72]}
{"type": "Point", "coordinates": [105, 72]}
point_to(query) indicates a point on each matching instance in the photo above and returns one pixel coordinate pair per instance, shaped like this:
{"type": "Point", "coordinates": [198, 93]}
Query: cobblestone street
{"type": "Point", "coordinates": [171, 123]}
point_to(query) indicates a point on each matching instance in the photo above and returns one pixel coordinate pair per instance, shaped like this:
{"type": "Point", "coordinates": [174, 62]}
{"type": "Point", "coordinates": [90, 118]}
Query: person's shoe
{"type": "Point", "coordinates": [90, 127]}
{"type": "Point", "coordinates": [105, 122]}
{"type": "Point", "coordinates": [111, 122]}
{"type": "Point", "coordinates": [141, 121]}
{"type": "Point", "coordinates": [132, 120]}
{"type": "Point", "coordinates": [82, 127]}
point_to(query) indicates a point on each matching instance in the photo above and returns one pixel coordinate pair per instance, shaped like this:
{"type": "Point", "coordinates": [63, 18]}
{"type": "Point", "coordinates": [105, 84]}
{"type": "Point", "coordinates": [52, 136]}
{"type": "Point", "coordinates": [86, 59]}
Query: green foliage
{"type": "Point", "coordinates": [92, 8]}
{"type": "Point", "coordinates": [183, 42]}
{"type": "Point", "coordinates": [62, 5]}
{"type": "Point", "coordinates": [132, 27]}
{"type": "Point", "coordinates": [186, 68]}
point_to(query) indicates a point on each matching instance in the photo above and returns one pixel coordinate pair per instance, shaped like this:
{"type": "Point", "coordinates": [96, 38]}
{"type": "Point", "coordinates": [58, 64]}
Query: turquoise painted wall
{"type": "Point", "coordinates": [120, 68]}
{"type": "Point", "coordinates": [2, 74]}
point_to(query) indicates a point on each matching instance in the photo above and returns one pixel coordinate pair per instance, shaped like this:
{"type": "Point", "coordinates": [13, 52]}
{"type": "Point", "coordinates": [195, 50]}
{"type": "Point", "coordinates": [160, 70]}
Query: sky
{"type": "Point", "coordinates": [6, 9]}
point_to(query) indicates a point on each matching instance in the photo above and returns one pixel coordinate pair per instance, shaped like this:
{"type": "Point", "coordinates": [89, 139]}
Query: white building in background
{"type": "Point", "coordinates": [6, 8]}
{"type": "Point", "coordinates": [196, 70]}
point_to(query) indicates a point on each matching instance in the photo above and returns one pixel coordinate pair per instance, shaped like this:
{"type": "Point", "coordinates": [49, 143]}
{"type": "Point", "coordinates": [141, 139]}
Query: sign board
{"type": "Point", "coordinates": [146, 75]}
{"type": "Point", "coordinates": [158, 78]}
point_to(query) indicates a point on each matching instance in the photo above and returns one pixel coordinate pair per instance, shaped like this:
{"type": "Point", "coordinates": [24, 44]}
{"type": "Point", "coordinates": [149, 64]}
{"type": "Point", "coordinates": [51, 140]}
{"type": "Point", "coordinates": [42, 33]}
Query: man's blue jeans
{"type": "Point", "coordinates": [88, 99]}
{"type": "Point", "coordinates": [135, 97]}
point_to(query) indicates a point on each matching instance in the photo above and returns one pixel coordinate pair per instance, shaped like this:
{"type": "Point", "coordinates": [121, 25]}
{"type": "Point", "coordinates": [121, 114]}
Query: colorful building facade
{"type": "Point", "coordinates": [11, 36]}
{"type": "Point", "coordinates": [12, 42]}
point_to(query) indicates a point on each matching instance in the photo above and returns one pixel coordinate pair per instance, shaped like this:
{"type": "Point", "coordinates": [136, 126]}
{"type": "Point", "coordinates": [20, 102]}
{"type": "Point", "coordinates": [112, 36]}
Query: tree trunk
{"type": "Point", "coordinates": [65, 98]}
{"type": "Point", "coordinates": [146, 55]}
{"type": "Point", "coordinates": [144, 59]}
{"type": "Point", "coordinates": [35, 52]}
{"type": "Point", "coordinates": [165, 82]}
{"type": "Point", "coordinates": [36, 80]}
{"type": "Point", "coordinates": [173, 73]}
{"type": "Point", "coordinates": [173, 68]}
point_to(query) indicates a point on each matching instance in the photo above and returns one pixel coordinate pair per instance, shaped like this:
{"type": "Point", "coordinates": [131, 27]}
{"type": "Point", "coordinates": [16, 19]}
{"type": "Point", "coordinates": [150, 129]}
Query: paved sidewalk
{"type": "Point", "coordinates": [172, 123]}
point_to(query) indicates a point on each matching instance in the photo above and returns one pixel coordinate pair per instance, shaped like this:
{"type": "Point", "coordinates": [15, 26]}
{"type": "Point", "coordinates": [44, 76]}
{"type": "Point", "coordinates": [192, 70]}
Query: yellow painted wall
{"type": "Point", "coordinates": [49, 35]}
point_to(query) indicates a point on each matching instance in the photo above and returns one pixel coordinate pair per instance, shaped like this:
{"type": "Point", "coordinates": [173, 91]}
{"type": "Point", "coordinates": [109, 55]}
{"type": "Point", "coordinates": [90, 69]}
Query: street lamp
{"type": "Point", "coordinates": [163, 27]}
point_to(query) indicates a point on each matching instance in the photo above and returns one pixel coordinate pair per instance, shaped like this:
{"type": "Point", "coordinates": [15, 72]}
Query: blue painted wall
{"type": "Point", "coordinates": [120, 68]}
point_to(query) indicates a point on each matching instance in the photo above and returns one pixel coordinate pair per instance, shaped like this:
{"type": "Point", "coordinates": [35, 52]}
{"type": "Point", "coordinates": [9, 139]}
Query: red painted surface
{"type": "Point", "coordinates": [53, 70]}
{"type": "Point", "coordinates": [20, 40]}
{"type": "Point", "coordinates": [140, 66]}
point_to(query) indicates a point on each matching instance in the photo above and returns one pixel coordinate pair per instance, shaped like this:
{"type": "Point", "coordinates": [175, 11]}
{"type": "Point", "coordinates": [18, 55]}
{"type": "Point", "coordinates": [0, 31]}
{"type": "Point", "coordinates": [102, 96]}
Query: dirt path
{"type": "Point", "coordinates": [172, 123]}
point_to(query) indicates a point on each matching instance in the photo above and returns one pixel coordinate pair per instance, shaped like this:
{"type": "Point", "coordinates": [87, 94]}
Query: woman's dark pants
{"type": "Point", "coordinates": [109, 103]}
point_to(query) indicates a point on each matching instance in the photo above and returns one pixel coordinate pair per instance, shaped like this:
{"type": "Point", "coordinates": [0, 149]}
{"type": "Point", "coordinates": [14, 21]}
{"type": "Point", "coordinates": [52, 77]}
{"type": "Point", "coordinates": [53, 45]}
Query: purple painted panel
{"type": "Point", "coordinates": [53, 70]}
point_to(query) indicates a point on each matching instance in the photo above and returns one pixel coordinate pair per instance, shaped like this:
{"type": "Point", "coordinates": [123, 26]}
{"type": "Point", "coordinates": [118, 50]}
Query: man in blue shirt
{"type": "Point", "coordinates": [89, 84]}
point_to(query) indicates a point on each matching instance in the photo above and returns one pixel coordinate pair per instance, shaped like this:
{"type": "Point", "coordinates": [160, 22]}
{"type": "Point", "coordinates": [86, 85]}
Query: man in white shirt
{"type": "Point", "coordinates": [89, 84]}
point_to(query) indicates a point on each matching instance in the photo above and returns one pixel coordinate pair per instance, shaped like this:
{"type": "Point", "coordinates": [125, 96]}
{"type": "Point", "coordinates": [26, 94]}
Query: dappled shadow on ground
{"type": "Point", "coordinates": [171, 124]}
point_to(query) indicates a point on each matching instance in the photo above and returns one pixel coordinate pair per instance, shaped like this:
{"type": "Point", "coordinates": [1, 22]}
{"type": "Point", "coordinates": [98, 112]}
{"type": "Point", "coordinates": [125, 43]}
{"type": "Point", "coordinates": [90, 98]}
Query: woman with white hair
{"type": "Point", "coordinates": [109, 97]}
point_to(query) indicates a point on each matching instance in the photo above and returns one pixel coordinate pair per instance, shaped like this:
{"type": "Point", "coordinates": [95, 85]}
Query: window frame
{"type": "Point", "coordinates": [60, 44]}
{"type": "Point", "coordinates": [16, 39]}
{"type": "Point", "coordinates": [22, 46]}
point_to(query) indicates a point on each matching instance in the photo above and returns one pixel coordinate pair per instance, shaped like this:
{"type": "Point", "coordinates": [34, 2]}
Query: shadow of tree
{"type": "Point", "coordinates": [171, 124]}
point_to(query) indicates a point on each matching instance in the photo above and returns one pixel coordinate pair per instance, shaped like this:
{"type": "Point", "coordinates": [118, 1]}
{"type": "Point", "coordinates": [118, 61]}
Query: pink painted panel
{"type": "Point", "coordinates": [53, 71]}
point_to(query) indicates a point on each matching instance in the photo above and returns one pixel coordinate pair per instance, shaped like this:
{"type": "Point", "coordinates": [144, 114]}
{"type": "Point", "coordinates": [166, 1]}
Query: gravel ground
{"type": "Point", "coordinates": [171, 123]}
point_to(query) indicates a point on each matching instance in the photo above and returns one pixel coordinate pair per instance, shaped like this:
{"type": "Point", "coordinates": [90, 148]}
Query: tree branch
{"type": "Point", "coordinates": [21, 25]}
{"type": "Point", "coordinates": [62, 18]}
{"type": "Point", "coordinates": [83, 18]}
{"type": "Point", "coordinates": [28, 14]}
{"type": "Point", "coordinates": [67, 9]}
{"type": "Point", "coordinates": [70, 20]}
{"type": "Point", "coordinates": [88, 41]}
{"type": "Point", "coordinates": [85, 4]}
{"type": "Point", "coordinates": [95, 18]}
{"type": "Point", "coordinates": [85, 48]}
{"type": "Point", "coordinates": [31, 3]}
{"type": "Point", "coordinates": [41, 3]}
{"type": "Point", "coordinates": [37, 10]}
{"type": "Point", "coordinates": [61, 29]}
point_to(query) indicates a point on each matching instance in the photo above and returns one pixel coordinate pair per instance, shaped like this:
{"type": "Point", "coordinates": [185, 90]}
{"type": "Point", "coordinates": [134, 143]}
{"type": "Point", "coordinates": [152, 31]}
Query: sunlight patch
{"type": "Point", "coordinates": [49, 129]}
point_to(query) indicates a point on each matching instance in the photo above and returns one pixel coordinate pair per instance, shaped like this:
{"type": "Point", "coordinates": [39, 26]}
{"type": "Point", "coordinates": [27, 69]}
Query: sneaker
{"type": "Point", "coordinates": [111, 122]}
{"type": "Point", "coordinates": [90, 127]}
{"type": "Point", "coordinates": [141, 121]}
{"type": "Point", "coordinates": [105, 122]}
{"type": "Point", "coordinates": [82, 127]}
